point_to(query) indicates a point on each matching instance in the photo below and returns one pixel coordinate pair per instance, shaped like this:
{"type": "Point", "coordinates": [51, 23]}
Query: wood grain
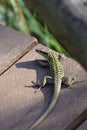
{"type": "Point", "coordinates": [20, 107]}
{"type": "Point", "coordinates": [13, 45]}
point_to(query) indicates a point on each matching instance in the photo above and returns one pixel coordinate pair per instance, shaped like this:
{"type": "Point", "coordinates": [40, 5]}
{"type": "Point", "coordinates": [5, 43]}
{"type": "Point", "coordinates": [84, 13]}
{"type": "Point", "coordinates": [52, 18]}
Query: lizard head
{"type": "Point", "coordinates": [43, 53]}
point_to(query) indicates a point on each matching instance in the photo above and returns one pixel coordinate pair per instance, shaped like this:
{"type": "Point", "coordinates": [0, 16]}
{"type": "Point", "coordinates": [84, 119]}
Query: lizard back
{"type": "Point", "coordinates": [57, 73]}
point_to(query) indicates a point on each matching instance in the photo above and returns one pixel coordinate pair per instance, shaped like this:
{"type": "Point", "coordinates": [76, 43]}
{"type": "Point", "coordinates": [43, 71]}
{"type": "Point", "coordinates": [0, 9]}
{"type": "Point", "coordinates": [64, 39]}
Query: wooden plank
{"type": "Point", "coordinates": [20, 107]}
{"type": "Point", "coordinates": [78, 121]}
{"type": "Point", "coordinates": [13, 45]}
{"type": "Point", "coordinates": [83, 126]}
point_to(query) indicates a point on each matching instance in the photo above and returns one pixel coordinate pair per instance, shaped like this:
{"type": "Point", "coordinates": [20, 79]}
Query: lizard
{"type": "Point", "coordinates": [57, 76]}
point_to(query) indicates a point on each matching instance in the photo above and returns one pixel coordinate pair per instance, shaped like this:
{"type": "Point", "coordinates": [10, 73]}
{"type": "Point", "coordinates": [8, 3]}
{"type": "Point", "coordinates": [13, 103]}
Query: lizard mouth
{"type": "Point", "coordinates": [43, 53]}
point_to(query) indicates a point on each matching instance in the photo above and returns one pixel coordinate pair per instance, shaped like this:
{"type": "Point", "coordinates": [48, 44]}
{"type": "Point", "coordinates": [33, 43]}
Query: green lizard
{"type": "Point", "coordinates": [57, 75]}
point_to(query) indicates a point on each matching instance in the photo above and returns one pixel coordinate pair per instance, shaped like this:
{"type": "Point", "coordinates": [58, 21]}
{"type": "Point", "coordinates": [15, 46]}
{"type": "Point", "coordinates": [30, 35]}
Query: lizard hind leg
{"type": "Point", "coordinates": [47, 79]}
{"type": "Point", "coordinates": [68, 81]}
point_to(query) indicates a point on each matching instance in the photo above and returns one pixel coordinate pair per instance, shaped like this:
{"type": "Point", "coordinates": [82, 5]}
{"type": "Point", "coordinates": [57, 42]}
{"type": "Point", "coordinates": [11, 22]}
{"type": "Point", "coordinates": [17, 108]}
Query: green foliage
{"type": "Point", "coordinates": [17, 15]}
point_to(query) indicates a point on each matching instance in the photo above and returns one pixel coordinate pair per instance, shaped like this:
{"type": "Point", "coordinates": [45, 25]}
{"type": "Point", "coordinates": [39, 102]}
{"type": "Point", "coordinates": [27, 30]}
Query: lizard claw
{"type": "Point", "coordinates": [38, 89]}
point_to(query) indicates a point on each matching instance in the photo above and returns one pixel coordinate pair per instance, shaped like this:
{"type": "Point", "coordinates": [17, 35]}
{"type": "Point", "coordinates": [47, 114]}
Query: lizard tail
{"type": "Point", "coordinates": [50, 107]}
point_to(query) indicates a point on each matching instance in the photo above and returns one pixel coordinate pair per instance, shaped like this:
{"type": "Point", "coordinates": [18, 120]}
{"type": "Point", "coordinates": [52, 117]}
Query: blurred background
{"type": "Point", "coordinates": [15, 14]}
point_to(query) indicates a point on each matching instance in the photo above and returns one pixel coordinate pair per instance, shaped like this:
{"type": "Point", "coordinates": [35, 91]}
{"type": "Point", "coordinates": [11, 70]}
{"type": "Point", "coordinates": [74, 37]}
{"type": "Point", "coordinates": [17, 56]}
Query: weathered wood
{"type": "Point", "coordinates": [83, 126]}
{"type": "Point", "coordinates": [78, 121]}
{"type": "Point", "coordinates": [67, 20]}
{"type": "Point", "coordinates": [20, 106]}
{"type": "Point", "coordinates": [13, 45]}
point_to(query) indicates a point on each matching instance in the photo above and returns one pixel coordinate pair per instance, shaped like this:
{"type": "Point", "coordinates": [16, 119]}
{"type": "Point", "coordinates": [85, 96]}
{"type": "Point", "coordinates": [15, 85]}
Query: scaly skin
{"type": "Point", "coordinates": [57, 73]}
